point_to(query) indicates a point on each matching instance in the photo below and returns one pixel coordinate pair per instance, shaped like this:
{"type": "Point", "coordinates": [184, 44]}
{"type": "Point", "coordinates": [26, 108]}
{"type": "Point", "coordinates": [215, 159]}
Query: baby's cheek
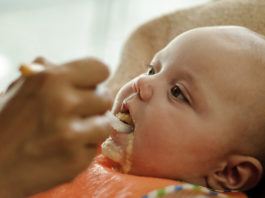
{"type": "Point", "coordinates": [141, 150]}
{"type": "Point", "coordinates": [149, 141]}
{"type": "Point", "coordinates": [146, 152]}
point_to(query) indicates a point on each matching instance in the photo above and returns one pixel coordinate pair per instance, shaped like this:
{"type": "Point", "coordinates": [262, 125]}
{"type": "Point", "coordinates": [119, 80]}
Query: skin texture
{"type": "Point", "coordinates": [154, 35]}
{"type": "Point", "coordinates": [140, 47]}
{"type": "Point", "coordinates": [57, 122]}
{"type": "Point", "coordinates": [201, 134]}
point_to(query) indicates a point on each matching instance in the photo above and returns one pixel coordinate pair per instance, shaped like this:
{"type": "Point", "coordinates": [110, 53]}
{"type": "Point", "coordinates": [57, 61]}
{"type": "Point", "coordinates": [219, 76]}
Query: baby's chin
{"type": "Point", "coordinates": [120, 153]}
{"type": "Point", "coordinates": [118, 147]}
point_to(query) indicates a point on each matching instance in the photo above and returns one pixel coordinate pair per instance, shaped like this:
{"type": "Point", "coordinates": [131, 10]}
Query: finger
{"type": "Point", "coordinates": [43, 61]}
{"type": "Point", "coordinates": [93, 102]}
{"type": "Point", "coordinates": [13, 84]}
{"type": "Point", "coordinates": [92, 130]}
{"type": "Point", "coordinates": [87, 72]}
{"type": "Point", "coordinates": [88, 133]}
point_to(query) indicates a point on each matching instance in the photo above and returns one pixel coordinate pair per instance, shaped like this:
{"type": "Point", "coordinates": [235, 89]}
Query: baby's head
{"type": "Point", "coordinates": [199, 111]}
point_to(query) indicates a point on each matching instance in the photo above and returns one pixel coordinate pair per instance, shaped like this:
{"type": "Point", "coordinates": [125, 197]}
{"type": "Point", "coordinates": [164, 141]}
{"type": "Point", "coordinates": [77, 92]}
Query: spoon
{"type": "Point", "coordinates": [119, 125]}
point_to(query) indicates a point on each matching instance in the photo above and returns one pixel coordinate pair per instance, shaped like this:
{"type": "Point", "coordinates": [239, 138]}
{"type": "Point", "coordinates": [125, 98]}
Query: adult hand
{"type": "Point", "coordinates": [50, 124]}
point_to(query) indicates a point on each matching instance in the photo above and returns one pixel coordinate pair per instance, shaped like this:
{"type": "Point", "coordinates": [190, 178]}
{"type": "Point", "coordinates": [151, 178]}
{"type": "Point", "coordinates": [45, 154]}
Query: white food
{"type": "Point", "coordinates": [111, 150]}
{"type": "Point", "coordinates": [117, 154]}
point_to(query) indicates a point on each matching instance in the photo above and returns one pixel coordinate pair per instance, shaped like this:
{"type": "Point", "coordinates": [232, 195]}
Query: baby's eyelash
{"type": "Point", "coordinates": [150, 70]}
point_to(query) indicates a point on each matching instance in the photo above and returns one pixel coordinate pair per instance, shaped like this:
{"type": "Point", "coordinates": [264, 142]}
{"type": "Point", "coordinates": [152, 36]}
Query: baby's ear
{"type": "Point", "coordinates": [238, 173]}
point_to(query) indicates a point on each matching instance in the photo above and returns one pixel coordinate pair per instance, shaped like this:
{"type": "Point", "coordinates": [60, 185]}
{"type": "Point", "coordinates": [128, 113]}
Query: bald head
{"type": "Point", "coordinates": [228, 65]}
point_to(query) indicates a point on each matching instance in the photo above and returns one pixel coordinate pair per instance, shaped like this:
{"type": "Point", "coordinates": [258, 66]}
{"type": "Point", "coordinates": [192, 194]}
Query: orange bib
{"type": "Point", "coordinates": [101, 181]}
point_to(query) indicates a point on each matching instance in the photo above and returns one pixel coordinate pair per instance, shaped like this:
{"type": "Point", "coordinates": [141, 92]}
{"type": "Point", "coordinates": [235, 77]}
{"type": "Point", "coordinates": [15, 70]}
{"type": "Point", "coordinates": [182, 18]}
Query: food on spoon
{"type": "Point", "coordinates": [28, 69]}
{"type": "Point", "coordinates": [125, 117]}
{"type": "Point", "coordinates": [119, 124]}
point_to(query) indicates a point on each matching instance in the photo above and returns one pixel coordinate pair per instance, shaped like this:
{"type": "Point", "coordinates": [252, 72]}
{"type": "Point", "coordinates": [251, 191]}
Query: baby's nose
{"type": "Point", "coordinates": [142, 86]}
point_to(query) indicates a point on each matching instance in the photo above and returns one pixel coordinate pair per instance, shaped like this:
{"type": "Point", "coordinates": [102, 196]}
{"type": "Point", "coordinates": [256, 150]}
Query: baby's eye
{"type": "Point", "coordinates": [177, 93]}
{"type": "Point", "coordinates": [151, 70]}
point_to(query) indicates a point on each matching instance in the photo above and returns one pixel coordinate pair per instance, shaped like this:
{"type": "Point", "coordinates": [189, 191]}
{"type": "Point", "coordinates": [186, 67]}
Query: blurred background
{"type": "Point", "coordinates": [62, 30]}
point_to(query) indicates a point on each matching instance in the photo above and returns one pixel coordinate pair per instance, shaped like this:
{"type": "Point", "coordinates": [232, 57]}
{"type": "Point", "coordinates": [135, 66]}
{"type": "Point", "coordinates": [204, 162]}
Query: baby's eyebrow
{"type": "Point", "coordinates": [195, 85]}
{"type": "Point", "coordinates": [154, 64]}
{"type": "Point", "coordinates": [187, 75]}
{"type": "Point", "coordinates": [147, 65]}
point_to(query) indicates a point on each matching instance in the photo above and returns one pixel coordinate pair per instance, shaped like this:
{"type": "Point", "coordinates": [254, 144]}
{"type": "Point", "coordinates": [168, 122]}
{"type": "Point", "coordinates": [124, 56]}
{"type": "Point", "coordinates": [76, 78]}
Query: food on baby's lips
{"type": "Point", "coordinates": [122, 122]}
{"type": "Point", "coordinates": [114, 151]}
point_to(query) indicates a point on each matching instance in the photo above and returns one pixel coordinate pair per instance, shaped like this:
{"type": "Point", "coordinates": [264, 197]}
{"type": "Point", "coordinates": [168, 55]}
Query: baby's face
{"type": "Point", "coordinates": [188, 108]}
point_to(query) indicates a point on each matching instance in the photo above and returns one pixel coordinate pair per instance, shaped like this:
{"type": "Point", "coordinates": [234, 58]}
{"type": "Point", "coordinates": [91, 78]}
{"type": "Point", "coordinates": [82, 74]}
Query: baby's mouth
{"type": "Point", "coordinates": [126, 119]}
{"type": "Point", "coordinates": [118, 147]}
{"type": "Point", "coordinates": [122, 122]}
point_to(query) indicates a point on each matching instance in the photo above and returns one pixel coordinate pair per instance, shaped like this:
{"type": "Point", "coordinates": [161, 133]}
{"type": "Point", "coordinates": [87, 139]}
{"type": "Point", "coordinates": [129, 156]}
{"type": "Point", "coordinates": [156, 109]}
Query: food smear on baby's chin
{"type": "Point", "coordinates": [118, 154]}
{"type": "Point", "coordinates": [115, 152]}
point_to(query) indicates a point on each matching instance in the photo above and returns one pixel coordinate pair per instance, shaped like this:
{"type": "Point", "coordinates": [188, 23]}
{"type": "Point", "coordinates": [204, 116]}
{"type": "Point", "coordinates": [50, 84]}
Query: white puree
{"type": "Point", "coordinates": [122, 156]}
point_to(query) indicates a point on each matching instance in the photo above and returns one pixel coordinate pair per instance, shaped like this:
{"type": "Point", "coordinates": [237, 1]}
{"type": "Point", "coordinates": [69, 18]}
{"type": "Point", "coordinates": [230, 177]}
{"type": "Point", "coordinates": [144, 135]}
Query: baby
{"type": "Point", "coordinates": [199, 111]}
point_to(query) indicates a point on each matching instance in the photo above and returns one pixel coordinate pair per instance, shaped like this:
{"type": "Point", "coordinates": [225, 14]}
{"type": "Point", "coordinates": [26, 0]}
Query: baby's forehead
{"type": "Point", "coordinates": [217, 43]}
{"type": "Point", "coordinates": [221, 35]}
